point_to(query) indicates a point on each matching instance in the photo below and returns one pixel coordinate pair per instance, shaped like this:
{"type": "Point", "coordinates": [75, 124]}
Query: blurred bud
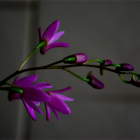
{"type": "Point", "coordinates": [78, 58]}
{"type": "Point", "coordinates": [135, 82]}
{"type": "Point", "coordinates": [95, 83]}
{"type": "Point", "coordinates": [125, 67]}
{"type": "Point", "coordinates": [102, 65]}
{"type": "Point", "coordinates": [107, 62]}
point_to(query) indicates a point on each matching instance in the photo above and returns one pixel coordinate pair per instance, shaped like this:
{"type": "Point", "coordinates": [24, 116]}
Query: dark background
{"type": "Point", "coordinates": [100, 29]}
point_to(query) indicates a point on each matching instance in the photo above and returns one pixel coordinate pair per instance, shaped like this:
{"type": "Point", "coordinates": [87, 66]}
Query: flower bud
{"type": "Point", "coordinates": [102, 65]}
{"type": "Point", "coordinates": [125, 67]}
{"type": "Point", "coordinates": [107, 62]}
{"type": "Point", "coordinates": [134, 82]}
{"type": "Point", "coordinates": [95, 83]}
{"type": "Point", "coordinates": [78, 58]}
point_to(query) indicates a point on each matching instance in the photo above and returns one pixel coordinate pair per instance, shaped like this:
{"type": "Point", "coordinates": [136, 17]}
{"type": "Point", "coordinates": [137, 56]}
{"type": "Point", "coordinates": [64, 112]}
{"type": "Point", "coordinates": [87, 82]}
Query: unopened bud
{"type": "Point", "coordinates": [95, 83]}
{"type": "Point", "coordinates": [102, 65]}
{"type": "Point", "coordinates": [107, 62]}
{"type": "Point", "coordinates": [78, 58]}
{"type": "Point", "coordinates": [125, 67]}
{"type": "Point", "coordinates": [135, 82]}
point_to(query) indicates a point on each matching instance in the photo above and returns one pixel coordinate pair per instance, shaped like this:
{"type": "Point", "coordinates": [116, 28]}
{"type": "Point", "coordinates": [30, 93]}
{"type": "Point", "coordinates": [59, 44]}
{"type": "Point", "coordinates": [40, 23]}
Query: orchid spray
{"type": "Point", "coordinates": [32, 94]}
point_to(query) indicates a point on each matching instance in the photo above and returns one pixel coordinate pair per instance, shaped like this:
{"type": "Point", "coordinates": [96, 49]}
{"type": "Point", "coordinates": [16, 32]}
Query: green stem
{"type": "Point", "coordinates": [38, 46]}
{"type": "Point", "coordinates": [55, 67]}
{"type": "Point", "coordinates": [128, 82]}
{"type": "Point", "coordinates": [94, 60]}
{"type": "Point", "coordinates": [11, 85]}
{"type": "Point", "coordinates": [11, 89]}
{"type": "Point", "coordinates": [116, 65]}
{"type": "Point", "coordinates": [84, 79]}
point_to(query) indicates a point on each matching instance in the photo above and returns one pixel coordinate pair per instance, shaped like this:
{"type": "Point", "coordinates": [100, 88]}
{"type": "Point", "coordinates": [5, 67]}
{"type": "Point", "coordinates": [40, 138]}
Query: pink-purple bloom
{"type": "Point", "coordinates": [50, 37]}
{"type": "Point", "coordinates": [31, 95]}
{"type": "Point", "coordinates": [57, 103]}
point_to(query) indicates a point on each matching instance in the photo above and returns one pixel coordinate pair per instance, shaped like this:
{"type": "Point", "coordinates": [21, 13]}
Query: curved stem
{"type": "Point", "coordinates": [81, 78]}
{"type": "Point", "coordinates": [38, 46]}
{"type": "Point", "coordinates": [94, 60]}
{"type": "Point", "coordinates": [54, 67]}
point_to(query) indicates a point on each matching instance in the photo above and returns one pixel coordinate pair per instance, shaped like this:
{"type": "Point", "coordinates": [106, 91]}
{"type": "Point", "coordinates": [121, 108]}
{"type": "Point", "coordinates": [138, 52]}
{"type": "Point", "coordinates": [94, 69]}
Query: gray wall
{"type": "Point", "coordinates": [100, 29]}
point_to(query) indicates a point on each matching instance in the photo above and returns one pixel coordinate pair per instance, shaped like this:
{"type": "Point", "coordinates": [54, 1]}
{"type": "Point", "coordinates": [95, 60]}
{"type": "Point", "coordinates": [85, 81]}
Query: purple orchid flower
{"type": "Point", "coordinates": [57, 103]}
{"type": "Point", "coordinates": [50, 37]}
{"type": "Point", "coordinates": [32, 94]}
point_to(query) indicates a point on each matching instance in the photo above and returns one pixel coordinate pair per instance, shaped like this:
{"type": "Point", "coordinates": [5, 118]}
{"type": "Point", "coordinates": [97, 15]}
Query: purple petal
{"type": "Point", "coordinates": [29, 110]}
{"type": "Point", "coordinates": [64, 98]}
{"type": "Point", "coordinates": [41, 85]}
{"type": "Point", "coordinates": [26, 81]}
{"type": "Point", "coordinates": [15, 80]}
{"type": "Point", "coordinates": [107, 62]}
{"type": "Point", "coordinates": [37, 103]}
{"type": "Point", "coordinates": [55, 113]}
{"type": "Point", "coordinates": [13, 96]}
{"type": "Point", "coordinates": [50, 31]}
{"type": "Point", "coordinates": [56, 36]}
{"type": "Point", "coordinates": [40, 34]}
{"type": "Point", "coordinates": [56, 44]}
{"type": "Point", "coordinates": [60, 91]}
{"type": "Point", "coordinates": [35, 94]}
{"type": "Point", "coordinates": [59, 105]}
{"type": "Point", "coordinates": [47, 111]}
{"type": "Point", "coordinates": [32, 105]}
{"type": "Point", "coordinates": [94, 81]}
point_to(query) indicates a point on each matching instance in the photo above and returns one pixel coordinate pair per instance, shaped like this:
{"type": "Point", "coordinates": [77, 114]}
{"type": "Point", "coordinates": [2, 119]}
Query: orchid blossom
{"type": "Point", "coordinates": [32, 94]}
{"type": "Point", "coordinates": [50, 37]}
{"type": "Point", "coordinates": [57, 103]}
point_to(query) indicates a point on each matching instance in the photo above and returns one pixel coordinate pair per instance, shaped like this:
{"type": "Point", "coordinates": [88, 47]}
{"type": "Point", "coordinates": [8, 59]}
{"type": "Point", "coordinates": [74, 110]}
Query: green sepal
{"type": "Point", "coordinates": [69, 59]}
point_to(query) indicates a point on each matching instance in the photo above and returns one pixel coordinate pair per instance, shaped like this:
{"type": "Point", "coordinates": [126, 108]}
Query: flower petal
{"type": "Point", "coordinates": [37, 103]}
{"type": "Point", "coordinates": [55, 113]}
{"type": "Point", "coordinates": [60, 91]}
{"type": "Point", "coordinates": [29, 110]}
{"type": "Point", "coordinates": [47, 111]}
{"type": "Point", "coordinates": [35, 94]}
{"type": "Point", "coordinates": [26, 81]}
{"type": "Point", "coordinates": [32, 105]}
{"type": "Point", "coordinates": [50, 31]}
{"type": "Point", "coordinates": [64, 98]}
{"type": "Point", "coordinates": [41, 85]}
{"type": "Point", "coordinates": [15, 80]}
{"type": "Point", "coordinates": [40, 34]}
{"type": "Point", "coordinates": [59, 105]}
{"type": "Point", "coordinates": [56, 44]}
{"type": "Point", "coordinates": [56, 36]}
{"type": "Point", "coordinates": [13, 96]}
